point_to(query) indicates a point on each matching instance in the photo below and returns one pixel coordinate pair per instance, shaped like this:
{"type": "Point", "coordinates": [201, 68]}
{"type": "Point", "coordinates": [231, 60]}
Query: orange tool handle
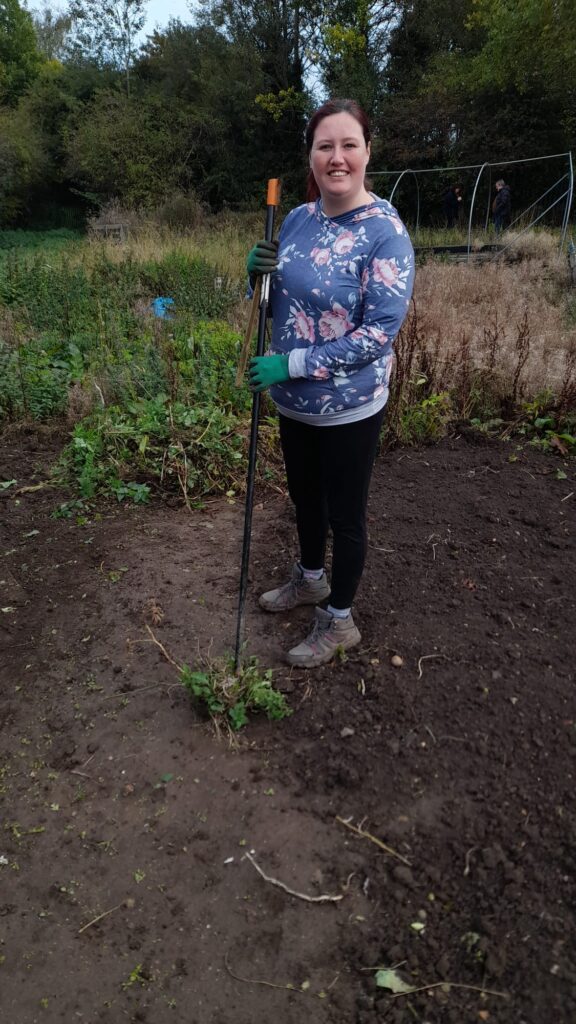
{"type": "Point", "coordinates": [273, 195]}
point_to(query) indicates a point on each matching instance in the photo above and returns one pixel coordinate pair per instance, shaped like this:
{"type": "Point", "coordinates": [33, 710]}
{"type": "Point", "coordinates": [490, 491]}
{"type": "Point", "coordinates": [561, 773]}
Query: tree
{"type": "Point", "coordinates": [131, 147]}
{"type": "Point", "coordinates": [23, 164]}
{"type": "Point", "coordinates": [19, 56]}
{"type": "Point", "coordinates": [354, 48]}
{"type": "Point", "coordinates": [106, 31]}
{"type": "Point", "coordinates": [52, 28]}
{"type": "Point", "coordinates": [279, 31]}
{"type": "Point", "coordinates": [528, 42]}
{"type": "Point", "coordinates": [215, 82]}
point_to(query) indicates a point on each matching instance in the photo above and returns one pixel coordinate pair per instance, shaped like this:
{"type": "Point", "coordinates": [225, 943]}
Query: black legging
{"type": "Point", "coordinates": [328, 471]}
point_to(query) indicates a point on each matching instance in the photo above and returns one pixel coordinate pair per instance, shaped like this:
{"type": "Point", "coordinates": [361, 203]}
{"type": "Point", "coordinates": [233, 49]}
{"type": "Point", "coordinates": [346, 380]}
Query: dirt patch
{"type": "Point", "coordinates": [119, 803]}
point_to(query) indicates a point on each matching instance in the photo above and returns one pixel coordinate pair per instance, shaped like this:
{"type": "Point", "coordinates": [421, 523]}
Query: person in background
{"type": "Point", "coordinates": [502, 206]}
{"type": "Point", "coordinates": [452, 205]}
{"type": "Point", "coordinates": [342, 275]}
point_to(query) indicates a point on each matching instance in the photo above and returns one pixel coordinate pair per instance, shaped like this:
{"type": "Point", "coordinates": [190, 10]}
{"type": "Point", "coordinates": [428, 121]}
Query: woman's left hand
{"type": "Point", "coordinates": [268, 370]}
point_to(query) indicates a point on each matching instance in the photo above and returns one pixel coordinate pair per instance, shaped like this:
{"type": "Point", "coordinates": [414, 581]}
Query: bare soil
{"type": "Point", "coordinates": [125, 890]}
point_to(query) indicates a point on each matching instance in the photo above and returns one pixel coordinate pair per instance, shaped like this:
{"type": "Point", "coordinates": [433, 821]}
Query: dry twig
{"type": "Point", "coordinates": [373, 839]}
{"type": "Point", "coordinates": [100, 916]}
{"type": "Point", "coordinates": [450, 984]}
{"type": "Point", "coordinates": [292, 892]}
{"type": "Point", "coordinates": [256, 981]}
{"type": "Point", "coordinates": [163, 649]}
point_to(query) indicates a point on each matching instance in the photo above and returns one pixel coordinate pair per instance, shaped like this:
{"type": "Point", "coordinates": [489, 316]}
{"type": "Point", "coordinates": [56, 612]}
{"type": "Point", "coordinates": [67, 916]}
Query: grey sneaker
{"type": "Point", "coordinates": [328, 635]}
{"type": "Point", "coordinates": [297, 591]}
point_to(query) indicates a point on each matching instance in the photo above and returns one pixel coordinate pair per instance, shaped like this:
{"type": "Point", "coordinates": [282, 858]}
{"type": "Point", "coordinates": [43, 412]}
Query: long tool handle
{"type": "Point", "coordinates": [272, 201]}
{"type": "Point", "coordinates": [245, 352]}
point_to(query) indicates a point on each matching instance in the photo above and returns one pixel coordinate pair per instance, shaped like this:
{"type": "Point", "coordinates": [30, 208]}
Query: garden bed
{"type": "Point", "coordinates": [126, 892]}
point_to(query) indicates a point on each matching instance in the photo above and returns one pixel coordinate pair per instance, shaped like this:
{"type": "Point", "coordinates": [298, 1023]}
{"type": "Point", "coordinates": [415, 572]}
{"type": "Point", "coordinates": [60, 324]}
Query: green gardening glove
{"type": "Point", "coordinates": [262, 259]}
{"type": "Point", "coordinates": [267, 370]}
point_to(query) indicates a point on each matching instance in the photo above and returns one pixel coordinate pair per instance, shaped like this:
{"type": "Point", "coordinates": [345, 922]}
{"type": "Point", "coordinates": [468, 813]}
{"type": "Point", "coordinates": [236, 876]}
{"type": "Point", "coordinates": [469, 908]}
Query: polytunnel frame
{"type": "Point", "coordinates": [568, 195]}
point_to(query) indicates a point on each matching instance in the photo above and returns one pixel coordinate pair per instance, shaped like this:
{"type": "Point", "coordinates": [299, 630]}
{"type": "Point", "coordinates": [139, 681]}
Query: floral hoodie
{"type": "Point", "coordinates": [338, 299]}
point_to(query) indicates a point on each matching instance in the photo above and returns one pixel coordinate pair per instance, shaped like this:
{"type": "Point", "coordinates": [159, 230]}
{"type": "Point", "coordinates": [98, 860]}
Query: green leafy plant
{"type": "Point", "coordinates": [229, 697]}
{"type": "Point", "coordinates": [136, 977]}
{"type": "Point", "coordinates": [425, 421]}
{"type": "Point", "coordinates": [138, 493]}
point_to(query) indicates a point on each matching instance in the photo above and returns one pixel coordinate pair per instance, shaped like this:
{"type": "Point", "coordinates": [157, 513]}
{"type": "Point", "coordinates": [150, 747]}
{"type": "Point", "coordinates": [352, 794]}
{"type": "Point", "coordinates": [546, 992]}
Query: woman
{"type": "Point", "coordinates": [342, 275]}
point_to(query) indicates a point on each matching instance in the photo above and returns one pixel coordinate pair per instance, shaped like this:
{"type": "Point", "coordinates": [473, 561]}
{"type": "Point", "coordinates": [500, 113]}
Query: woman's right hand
{"type": "Point", "coordinates": [262, 259]}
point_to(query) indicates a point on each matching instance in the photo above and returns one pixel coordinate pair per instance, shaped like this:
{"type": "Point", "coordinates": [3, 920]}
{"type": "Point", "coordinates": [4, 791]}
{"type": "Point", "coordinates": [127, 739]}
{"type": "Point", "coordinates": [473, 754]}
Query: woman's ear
{"type": "Point", "coordinates": [369, 148]}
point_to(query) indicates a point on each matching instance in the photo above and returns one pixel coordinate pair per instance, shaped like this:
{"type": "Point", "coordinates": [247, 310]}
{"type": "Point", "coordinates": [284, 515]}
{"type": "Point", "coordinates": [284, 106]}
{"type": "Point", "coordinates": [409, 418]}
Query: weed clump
{"type": "Point", "coordinates": [229, 698]}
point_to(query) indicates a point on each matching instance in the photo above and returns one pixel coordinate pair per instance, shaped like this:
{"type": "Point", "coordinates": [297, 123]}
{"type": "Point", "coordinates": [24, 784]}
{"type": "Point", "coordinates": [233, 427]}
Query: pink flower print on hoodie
{"type": "Point", "coordinates": [344, 243]}
{"type": "Point", "coordinates": [334, 323]}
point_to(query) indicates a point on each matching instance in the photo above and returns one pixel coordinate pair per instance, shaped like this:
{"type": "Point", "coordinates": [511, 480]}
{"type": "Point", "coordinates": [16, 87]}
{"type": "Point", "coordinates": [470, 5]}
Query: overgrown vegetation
{"type": "Point", "coordinates": [151, 404]}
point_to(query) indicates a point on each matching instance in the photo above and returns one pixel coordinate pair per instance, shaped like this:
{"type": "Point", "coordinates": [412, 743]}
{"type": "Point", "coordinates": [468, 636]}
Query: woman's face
{"type": "Point", "coordinates": [338, 158]}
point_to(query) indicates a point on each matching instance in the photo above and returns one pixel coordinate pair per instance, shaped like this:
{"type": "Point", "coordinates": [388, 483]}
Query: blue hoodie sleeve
{"type": "Point", "coordinates": [386, 284]}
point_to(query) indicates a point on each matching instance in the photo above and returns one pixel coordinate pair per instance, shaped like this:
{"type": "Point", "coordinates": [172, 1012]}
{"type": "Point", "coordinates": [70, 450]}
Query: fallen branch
{"type": "Point", "coordinates": [373, 839]}
{"type": "Point", "coordinates": [292, 892]}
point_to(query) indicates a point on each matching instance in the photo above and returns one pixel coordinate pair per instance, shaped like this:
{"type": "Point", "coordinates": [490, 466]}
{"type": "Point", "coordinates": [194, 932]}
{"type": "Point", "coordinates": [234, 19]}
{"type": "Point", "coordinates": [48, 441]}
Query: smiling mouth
{"type": "Point", "coordinates": [337, 174]}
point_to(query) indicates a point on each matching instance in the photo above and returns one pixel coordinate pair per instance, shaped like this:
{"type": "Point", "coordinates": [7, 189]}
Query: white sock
{"type": "Point", "coordinates": [312, 574]}
{"type": "Point", "coordinates": [339, 613]}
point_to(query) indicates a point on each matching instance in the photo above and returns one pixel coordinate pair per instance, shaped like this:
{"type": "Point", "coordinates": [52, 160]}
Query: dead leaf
{"type": "Point", "coordinates": [555, 442]}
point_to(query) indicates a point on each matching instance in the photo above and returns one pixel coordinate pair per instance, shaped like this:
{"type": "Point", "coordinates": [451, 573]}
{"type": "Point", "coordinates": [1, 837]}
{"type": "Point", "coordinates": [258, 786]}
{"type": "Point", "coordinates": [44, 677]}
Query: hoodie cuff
{"type": "Point", "coordinates": [297, 363]}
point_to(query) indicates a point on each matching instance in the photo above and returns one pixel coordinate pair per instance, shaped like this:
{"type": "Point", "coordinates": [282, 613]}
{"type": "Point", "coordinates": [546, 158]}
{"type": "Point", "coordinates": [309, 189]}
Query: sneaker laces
{"type": "Point", "coordinates": [318, 627]}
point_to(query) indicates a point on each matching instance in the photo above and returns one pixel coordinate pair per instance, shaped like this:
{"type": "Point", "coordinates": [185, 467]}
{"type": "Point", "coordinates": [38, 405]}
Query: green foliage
{"type": "Point", "coordinates": [425, 421]}
{"type": "Point", "coordinates": [134, 147]}
{"type": "Point", "coordinates": [546, 427]}
{"type": "Point", "coordinates": [106, 31]}
{"type": "Point", "coordinates": [77, 298]}
{"type": "Point", "coordinates": [23, 163]}
{"type": "Point", "coordinates": [355, 40]}
{"type": "Point", "coordinates": [532, 40]}
{"type": "Point", "coordinates": [277, 104]}
{"type": "Point", "coordinates": [48, 241]}
{"type": "Point", "coordinates": [229, 697]}
{"type": "Point", "coordinates": [19, 57]}
{"type": "Point", "coordinates": [33, 382]}
{"type": "Point", "coordinates": [195, 447]}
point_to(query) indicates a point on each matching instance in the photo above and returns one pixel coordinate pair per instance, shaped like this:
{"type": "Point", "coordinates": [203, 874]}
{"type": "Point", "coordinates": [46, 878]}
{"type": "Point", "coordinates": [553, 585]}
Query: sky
{"type": "Point", "coordinates": [159, 12]}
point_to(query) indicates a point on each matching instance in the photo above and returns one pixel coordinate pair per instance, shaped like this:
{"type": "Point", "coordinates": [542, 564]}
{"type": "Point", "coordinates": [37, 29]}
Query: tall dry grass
{"type": "Point", "coordinates": [476, 313]}
{"type": "Point", "coordinates": [223, 240]}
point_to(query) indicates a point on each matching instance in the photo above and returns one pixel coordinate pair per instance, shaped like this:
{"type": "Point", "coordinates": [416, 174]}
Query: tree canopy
{"type": "Point", "coordinates": [214, 106]}
{"type": "Point", "coordinates": [19, 54]}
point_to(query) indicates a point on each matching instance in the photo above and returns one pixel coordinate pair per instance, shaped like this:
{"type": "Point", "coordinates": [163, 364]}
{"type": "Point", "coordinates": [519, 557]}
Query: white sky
{"type": "Point", "coordinates": [159, 12]}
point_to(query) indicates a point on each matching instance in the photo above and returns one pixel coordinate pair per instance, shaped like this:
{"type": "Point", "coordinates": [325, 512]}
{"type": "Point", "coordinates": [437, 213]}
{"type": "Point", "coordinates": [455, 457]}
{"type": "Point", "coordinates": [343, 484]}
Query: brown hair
{"type": "Point", "coordinates": [335, 106]}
